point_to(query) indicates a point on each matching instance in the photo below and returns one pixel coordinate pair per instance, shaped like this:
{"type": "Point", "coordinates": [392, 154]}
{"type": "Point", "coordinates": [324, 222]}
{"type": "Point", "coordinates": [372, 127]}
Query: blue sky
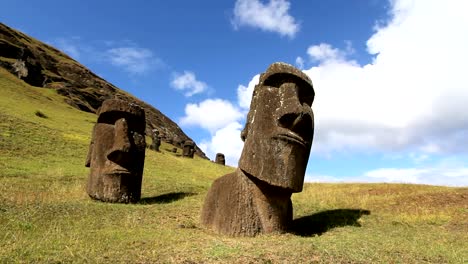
{"type": "Point", "coordinates": [389, 76]}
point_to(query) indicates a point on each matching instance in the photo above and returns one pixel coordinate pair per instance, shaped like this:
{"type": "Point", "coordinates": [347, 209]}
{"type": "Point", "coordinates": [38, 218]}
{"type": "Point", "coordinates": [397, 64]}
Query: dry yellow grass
{"type": "Point", "coordinates": [46, 216]}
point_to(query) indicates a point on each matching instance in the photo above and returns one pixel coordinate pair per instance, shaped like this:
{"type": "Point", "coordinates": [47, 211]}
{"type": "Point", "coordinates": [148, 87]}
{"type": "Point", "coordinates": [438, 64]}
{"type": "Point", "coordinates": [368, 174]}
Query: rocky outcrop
{"type": "Point", "coordinates": [50, 68]}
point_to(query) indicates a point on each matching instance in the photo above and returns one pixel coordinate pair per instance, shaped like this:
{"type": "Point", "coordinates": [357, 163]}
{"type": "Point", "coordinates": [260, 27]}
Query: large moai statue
{"type": "Point", "coordinates": [188, 149]}
{"type": "Point", "coordinates": [256, 198]}
{"type": "Point", "coordinates": [220, 159]}
{"type": "Point", "coordinates": [156, 143]}
{"type": "Point", "coordinates": [117, 153]}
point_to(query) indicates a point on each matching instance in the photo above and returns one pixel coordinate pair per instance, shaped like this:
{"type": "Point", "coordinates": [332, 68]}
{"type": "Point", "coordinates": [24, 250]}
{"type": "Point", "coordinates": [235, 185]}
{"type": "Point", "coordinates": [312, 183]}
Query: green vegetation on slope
{"type": "Point", "coordinates": [46, 216]}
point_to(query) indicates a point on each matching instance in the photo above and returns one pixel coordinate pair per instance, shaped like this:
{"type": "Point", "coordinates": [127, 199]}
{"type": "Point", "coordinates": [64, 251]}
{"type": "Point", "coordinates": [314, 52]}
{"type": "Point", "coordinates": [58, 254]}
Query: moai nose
{"type": "Point", "coordinates": [121, 148]}
{"type": "Point", "coordinates": [293, 114]}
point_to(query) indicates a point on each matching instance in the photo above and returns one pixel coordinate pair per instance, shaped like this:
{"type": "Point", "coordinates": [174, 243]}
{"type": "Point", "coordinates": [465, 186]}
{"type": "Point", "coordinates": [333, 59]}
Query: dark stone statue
{"type": "Point", "coordinates": [189, 149]}
{"type": "Point", "coordinates": [220, 159]}
{"type": "Point", "coordinates": [256, 198]}
{"type": "Point", "coordinates": [156, 140]}
{"type": "Point", "coordinates": [117, 153]}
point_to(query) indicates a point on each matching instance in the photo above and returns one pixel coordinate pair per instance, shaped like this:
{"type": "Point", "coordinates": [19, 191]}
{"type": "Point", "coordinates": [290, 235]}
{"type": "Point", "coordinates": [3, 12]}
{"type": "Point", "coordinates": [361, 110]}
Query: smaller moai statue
{"type": "Point", "coordinates": [220, 159]}
{"type": "Point", "coordinates": [174, 150]}
{"type": "Point", "coordinates": [169, 140]}
{"type": "Point", "coordinates": [116, 153]}
{"type": "Point", "coordinates": [156, 140]}
{"type": "Point", "coordinates": [189, 149]}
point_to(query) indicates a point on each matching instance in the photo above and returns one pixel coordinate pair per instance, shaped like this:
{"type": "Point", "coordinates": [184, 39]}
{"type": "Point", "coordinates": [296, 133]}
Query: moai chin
{"type": "Point", "coordinates": [278, 135]}
{"type": "Point", "coordinates": [188, 149]}
{"type": "Point", "coordinates": [220, 159]}
{"type": "Point", "coordinates": [117, 153]}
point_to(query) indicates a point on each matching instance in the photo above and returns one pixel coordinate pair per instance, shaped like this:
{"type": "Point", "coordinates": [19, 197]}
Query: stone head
{"type": "Point", "coordinates": [117, 152]}
{"type": "Point", "coordinates": [155, 133]}
{"type": "Point", "coordinates": [279, 130]}
{"type": "Point", "coordinates": [220, 159]}
{"type": "Point", "coordinates": [188, 149]}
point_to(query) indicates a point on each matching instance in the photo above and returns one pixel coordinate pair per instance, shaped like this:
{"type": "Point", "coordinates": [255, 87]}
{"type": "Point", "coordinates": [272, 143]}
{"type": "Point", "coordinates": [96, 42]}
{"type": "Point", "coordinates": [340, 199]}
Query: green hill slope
{"type": "Point", "coordinates": [46, 216]}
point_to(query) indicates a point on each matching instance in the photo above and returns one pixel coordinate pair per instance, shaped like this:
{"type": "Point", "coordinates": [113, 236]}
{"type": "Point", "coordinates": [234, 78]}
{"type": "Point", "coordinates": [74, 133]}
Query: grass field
{"type": "Point", "coordinates": [46, 216]}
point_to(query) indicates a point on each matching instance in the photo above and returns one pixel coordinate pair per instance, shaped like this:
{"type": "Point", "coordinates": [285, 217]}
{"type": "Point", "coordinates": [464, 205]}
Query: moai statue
{"type": "Point", "coordinates": [117, 153]}
{"type": "Point", "coordinates": [220, 159]}
{"type": "Point", "coordinates": [156, 140]}
{"type": "Point", "coordinates": [256, 198]}
{"type": "Point", "coordinates": [169, 140]}
{"type": "Point", "coordinates": [174, 150]}
{"type": "Point", "coordinates": [189, 149]}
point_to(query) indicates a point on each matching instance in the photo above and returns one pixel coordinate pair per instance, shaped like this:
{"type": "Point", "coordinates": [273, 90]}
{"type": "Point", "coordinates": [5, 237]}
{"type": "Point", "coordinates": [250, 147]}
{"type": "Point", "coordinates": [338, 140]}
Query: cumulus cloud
{"type": "Point", "coordinates": [211, 114]}
{"type": "Point", "coordinates": [272, 16]}
{"type": "Point", "coordinates": [325, 52]}
{"type": "Point", "coordinates": [188, 82]}
{"type": "Point", "coordinates": [434, 175]}
{"type": "Point", "coordinates": [411, 97]}
{"type": "Point", "coordinates": [226, 140]}
{"type": "Point", "coordinates": [244, 93]}
{"type": "Point", "coordinates": [224, 120]}
{"type": "Point", "coordinates": [134, 60]}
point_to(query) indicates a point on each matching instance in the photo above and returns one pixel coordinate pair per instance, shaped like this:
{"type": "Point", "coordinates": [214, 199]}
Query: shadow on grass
{"type": "Point", "coordinates": [165, 198]}
{"type": "Point", "coordinates": [319, 223]}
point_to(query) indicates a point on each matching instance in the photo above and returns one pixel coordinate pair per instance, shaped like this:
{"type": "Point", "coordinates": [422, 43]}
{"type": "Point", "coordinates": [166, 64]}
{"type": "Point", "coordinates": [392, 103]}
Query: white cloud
{"type": "Point", "coordinates": [411, 97]}
{"type": "Point", "coordinates": [68, 45]}
{"type": "Point", "coordinates": [211, 114]}
{"type": "Point", "coordinates": [325, 52]}
{"type": "Point", "coordinates": [457, 176]}
{"type": "Point", "coordinates": [244, 93]}
{"type": "Point", "coordinates": [438, 174]}
{"type": "Point", "coordinates": [272, 16]}
{"type": "Point", "coordinates": [225, 140]}
{"type": "Point", "coordinates": [188, 82]}
{"type": "Point", "coordinates": [132, 59]}
{"type": "Point", "coordinates": [224, 121]}
{"type": "Point", "coordinates": [300, 62]}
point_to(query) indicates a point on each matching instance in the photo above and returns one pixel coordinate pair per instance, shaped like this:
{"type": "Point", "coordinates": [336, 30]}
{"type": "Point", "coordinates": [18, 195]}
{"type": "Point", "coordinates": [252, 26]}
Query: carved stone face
{"type": "Point", "coordinates": [189, 149]}
{"type": "Point", "coordinates": [279, 130]}
{"type": "Point", "coordinates": [117, 153]}
{"type": "Point", "coordinates": [220, 159]}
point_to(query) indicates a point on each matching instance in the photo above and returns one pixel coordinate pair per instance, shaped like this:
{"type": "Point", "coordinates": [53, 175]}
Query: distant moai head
{"type": "Point", "coordinates": [117, 152]}
{"type": "Point", "coordinates": [155, 133]}
{"type": "Point", "coordinates": [188, 149]}
{"type": "Point", "coordinates": [279, 129]}
{"type": "Point", "coordinates": [156, 140]}
{"type": "Point", "coordinates": [220, 159]}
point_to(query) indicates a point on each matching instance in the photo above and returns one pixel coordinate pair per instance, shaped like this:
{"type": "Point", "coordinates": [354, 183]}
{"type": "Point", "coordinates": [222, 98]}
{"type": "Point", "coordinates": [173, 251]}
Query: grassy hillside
{"type": "Point", "coordinates": [46, 216]}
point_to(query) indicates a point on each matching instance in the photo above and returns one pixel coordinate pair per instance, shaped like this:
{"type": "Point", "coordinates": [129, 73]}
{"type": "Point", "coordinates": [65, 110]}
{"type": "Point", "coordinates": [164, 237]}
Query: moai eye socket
{"type": "Point", "coordinates": [306, 93]}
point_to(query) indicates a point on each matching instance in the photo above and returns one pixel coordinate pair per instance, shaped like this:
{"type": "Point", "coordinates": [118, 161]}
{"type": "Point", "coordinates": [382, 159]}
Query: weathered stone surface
{"type": "Point", "coordinates": [84, 90]}
{"type": "Point", "coordinates": [156, 143]}
{"type": "Point", "coordinates": [117, 153]}
{"type": "Point", "coordinates": [189, 149]}
{"type": "Point", "coordinates": [278, 137]}
{"type": "Point", "coordinates": [220, 159]}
